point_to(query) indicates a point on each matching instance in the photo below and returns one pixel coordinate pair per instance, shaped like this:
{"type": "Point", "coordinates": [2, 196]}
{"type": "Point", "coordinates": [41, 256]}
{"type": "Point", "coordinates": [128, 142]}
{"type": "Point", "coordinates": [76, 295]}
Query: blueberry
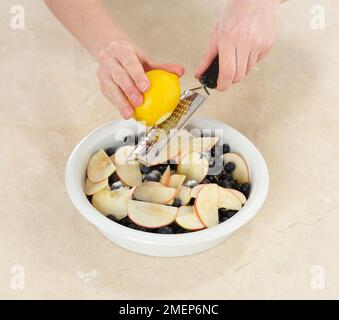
{"type": "Point", "coordinates": [152, 177]}
{"type": "Point", "coordinates": [236, 185]}
{"type": "Point", "coordinates": [229, 177]}
{"type": "Point", "coordinates": [222, 213]}
{"type": "Point", "coordinates": [230, 213]}
{"type": "Point", "coordinates": [160, 168]}
{"type": "Point", "coordinates": [113, 178]}
{"type": "Point", "coordinates": [165, 230]}
{"type": "Point", "coordinates": [144, 169]}
{"type": "Point", "coordinates": [156, 173]}
{"type": "Point", "coordinates": [132, 226]}
{"type": "Point", "coordinates": [227, 184]}
{"type": "Point", "coordinates": [245, 188]}
{"type": "Point", "coordinates": [213, 179]}
{"type": "Point", "coordinates": [110, 151]}
{"type": "Point", "coordinates": [136, 227]}
{"type": "Point", "coordinates": [225, 148]}
{"type": "Point", "coordinates": [223, 219]}
{"type": "Point", "coordinates": [116, 185]}
{"type": "Point", "coordinates": [125, 221]}
{"type": "Point", "coordinates": [174, 166]}
{"type": "Point", "coordinates": [177, 229]}
{"type": "Point", "coordinates": [229, 167]}
{"type": "Point", "coordinates": [192, 201]}
{"type": "Point", "coordinates": [111, 217]}
{"type": "Point", "coordinates": [176, 202]}
{"type": "Point", "coordinates": [191, 183]}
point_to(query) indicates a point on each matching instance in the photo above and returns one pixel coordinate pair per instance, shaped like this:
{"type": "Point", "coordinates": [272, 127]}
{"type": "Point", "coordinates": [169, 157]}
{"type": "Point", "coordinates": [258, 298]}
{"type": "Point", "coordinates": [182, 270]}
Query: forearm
{"type": "Point", "coordinates": [88, 21]}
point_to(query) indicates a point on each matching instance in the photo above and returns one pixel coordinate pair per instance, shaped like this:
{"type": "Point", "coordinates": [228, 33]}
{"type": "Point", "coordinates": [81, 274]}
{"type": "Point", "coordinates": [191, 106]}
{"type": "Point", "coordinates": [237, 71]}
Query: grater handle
{"type": "Point", "coordinates": [210, 77]}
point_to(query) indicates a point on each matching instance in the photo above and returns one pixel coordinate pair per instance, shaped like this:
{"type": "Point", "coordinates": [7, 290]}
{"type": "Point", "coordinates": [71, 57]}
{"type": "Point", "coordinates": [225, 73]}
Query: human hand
{"type": "Point", "coordinates": [243, 36]}
{"type": "Point", "coordinates": [122, 75]}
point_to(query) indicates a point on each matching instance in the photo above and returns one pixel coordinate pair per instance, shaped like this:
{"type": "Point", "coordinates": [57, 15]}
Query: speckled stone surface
{"type": "Point", "coordinates": [288, 106]}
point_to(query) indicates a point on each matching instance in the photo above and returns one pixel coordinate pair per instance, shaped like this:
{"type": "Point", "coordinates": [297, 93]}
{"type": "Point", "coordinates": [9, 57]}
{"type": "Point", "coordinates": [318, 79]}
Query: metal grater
{"type": "Point", "coordinates": [158, 136]}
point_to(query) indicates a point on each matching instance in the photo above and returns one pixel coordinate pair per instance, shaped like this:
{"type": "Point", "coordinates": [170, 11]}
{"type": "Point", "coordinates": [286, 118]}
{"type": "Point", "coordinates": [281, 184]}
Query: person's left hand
{"type": "Point", "coordinates": [243, 36]}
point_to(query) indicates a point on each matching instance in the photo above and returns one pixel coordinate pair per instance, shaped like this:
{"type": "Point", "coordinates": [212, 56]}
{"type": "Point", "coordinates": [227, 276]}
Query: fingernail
{"type": "Point", "coordinates": [144, 86]}
{"type": "Point", "coordinates": [127, 113]}
{"type": "Point", "coordinates": [136, 100]}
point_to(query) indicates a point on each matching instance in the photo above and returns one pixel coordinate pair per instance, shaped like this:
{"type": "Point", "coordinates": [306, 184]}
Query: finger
{"type": "Point", "coordinates": [263, 54]}
{"type": "Point", "coordinates": [134, 68]}
{"type": "Point", "coordinates": [242, 56]}
{"type": "Point", "coordinates": [252, 60]}
{"type": "Point", "coordinates": [170, 67]}
{"type": "Point", "coordinates": [227, 64]}
{"type": "Point", "coordinates": [114, 94]}
{"type": "Point", "coordinates": [208, 56]}
{"type": "Point", "coordinates": [123, 80]}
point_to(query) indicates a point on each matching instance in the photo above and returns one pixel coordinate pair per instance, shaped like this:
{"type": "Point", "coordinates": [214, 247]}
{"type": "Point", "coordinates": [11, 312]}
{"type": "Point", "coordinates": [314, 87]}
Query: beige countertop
{"type": "Point", "coordinates": [289, 107]}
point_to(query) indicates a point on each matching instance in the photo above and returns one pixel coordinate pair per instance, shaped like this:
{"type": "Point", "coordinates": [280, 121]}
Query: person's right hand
{"type": "Point", "coordinates": [122, 75]}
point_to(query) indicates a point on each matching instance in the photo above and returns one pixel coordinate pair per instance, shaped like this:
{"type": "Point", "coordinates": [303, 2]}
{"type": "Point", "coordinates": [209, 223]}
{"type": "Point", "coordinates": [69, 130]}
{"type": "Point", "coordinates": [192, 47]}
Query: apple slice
{"type": "Point", "coordinates": [227, 199]}
{"type": "Point", "coordinates": [100, 166]}
{"type": "Point", "coordinates": [172, 149]}
{"type": "Point", "coordinates": [240, 172]}
{"type": "Point", "coordinates": [197, 144]}
{"type": "Point", "coordinates": [193, 166]}
{"type": "Point", "coordinates": [166, 176]}
{"type": "Point", "coordinates": [196, 189]}
{"type": "Point", "coordinates": [187, 219]}
{"type": "Point", "coordinates": [176, 181]}
{"type": "Point", "coordinates": [128, 172]}
{"type": "Point", "coordinates": [156, 193]}
{"type": "Point", "coordinates": [206, 205]}
{"type": "Point", "coordinates": [239, 195]}
{"type": "Point", "coordinates": [113, 202]}
{"type": "Point", "coordinates": [184, 195]}
{"type": "Point", "coordinates": [91, 188]}
{"type": "Point", "coordinates": [151, 215]}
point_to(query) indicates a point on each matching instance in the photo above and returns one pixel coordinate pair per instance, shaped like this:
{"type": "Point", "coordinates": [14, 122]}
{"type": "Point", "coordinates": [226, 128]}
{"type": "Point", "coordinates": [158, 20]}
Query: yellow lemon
{"type": "Point", "coordinates": [161, 99]}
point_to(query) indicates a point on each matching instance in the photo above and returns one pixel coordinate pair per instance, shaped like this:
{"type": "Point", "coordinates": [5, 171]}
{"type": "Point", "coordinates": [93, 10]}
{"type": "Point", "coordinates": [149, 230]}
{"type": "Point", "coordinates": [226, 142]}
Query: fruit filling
{"type": "Point", "coordinates": [201, 184]}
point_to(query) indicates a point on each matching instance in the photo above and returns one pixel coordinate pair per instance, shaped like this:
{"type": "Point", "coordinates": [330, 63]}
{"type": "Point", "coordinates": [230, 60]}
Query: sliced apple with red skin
{"type": "Point", "coordinates": [127, 171]}
{"type": "Point", "coordinates": [227, 199]}
{"type": "Point", "coordinates": [184, 195]}
{"type": "Point", "coordinates": [155, 192]}
{"type": "Point", "coordinates": [188, 219]}
{"type": "Point", "coordinates": [196, 189]}
{"type": "Point", "coordinates": [100, 167]}
{"type": "Point", "coordinates": [240, 172]}
{"type": "Point", "coordinates": [197, 144]}
{"type": "Point", "coordinates": [206, 205]}
{"type": "Point", "coordinates": [239, 195]}
{"type": "Point", "coordinates": [151, 215]}
{"type": "Point", "coordinates": [166, 176]}
{"type": "Point", "coordinates": [92, 188]}
{"type": "Point", "coordinates": [112, 202]}
{"type": "Point", "coordinates": [194, 166]}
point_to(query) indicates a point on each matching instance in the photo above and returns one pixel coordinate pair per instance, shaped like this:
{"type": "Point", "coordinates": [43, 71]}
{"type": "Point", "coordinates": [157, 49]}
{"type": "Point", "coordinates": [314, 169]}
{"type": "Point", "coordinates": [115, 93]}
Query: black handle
{"type": "Point", "coordinates": [210, 77]}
